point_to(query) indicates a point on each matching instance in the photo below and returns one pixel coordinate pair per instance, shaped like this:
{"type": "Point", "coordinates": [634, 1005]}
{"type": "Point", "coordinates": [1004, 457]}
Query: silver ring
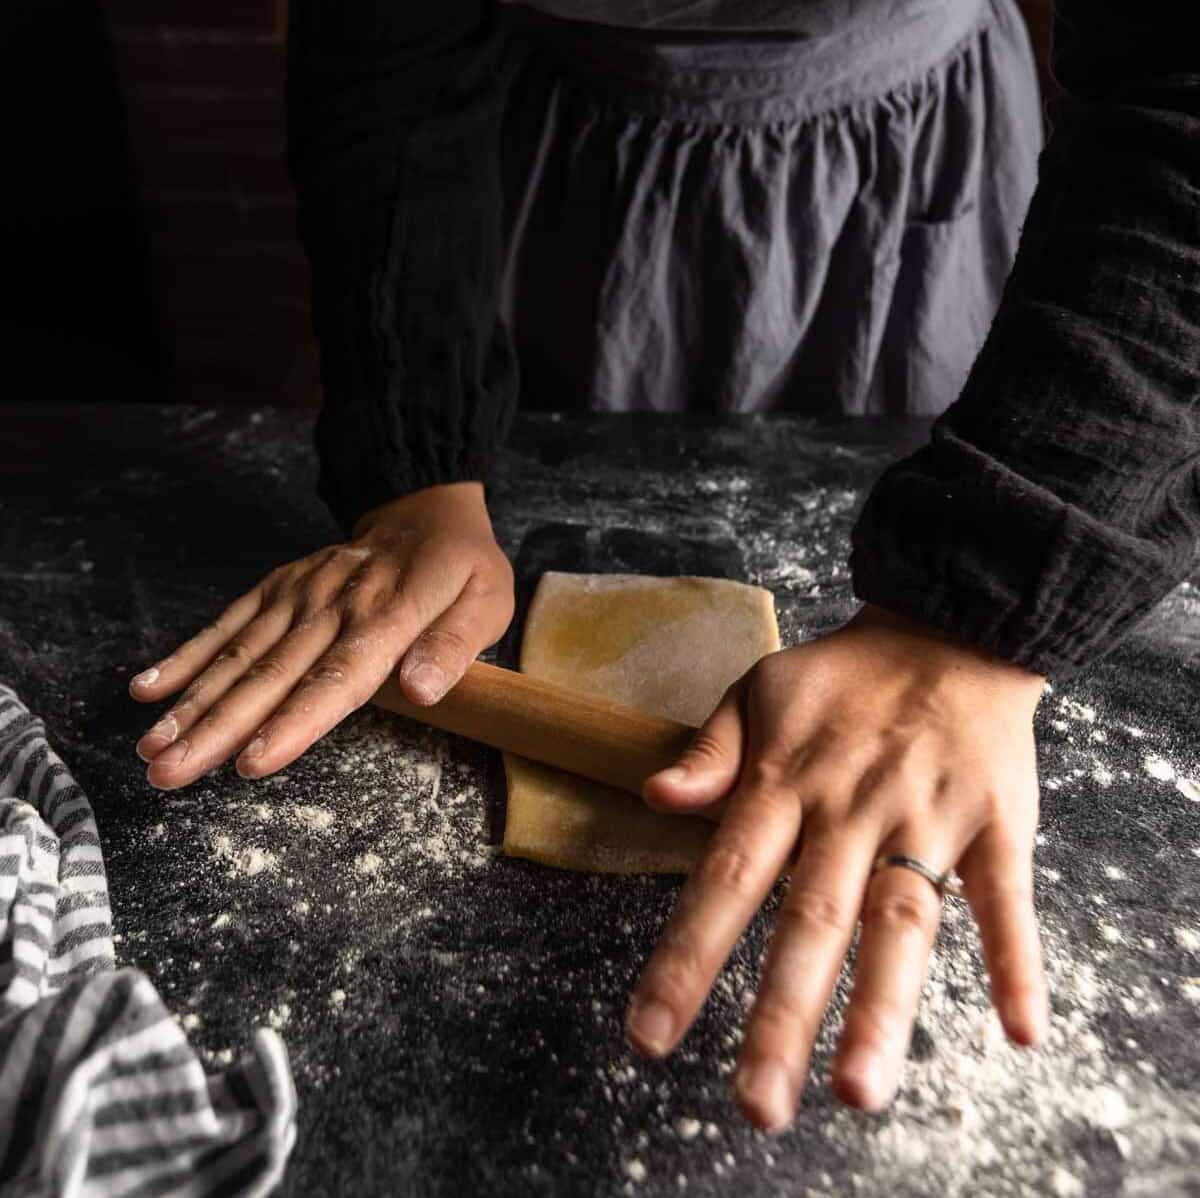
{"type": "Point", "coordinates": [945, 883]}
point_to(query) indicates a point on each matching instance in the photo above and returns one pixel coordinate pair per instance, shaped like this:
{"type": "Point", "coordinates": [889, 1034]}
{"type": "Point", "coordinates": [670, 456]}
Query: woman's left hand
{"type": "Point", "coordinates": [884, 736]}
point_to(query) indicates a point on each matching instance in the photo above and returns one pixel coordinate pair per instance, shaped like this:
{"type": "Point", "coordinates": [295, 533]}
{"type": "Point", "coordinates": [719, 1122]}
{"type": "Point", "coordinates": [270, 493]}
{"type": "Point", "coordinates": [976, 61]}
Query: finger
{"type": "Point", "coordinates": [232, 662]}
{"type": "Point", "coordinates": [178, 668]}
{"type": "Point", "coordinates": [353, 670]}
{"type": "Point", "coordinates": [708, 768]}
{"type": "Point", "coordinates": [740, 865]}
{"type": "Point", "coordinates": [342, 680]}
{"type": "Point", "coordinates": [997, 874]}
{"type": "Point", "coordinates": [232, 720]}
{"type": "Point", "coordinates": [900, 919]}
{"type": "Point", "coordinates": [813, 931]}
{"type": "Point", "coordinates": [439, 657]}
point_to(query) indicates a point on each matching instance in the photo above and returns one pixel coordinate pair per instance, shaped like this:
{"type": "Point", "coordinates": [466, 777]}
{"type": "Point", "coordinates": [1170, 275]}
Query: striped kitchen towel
{"type": "Point", "coordinates": [100, 1092]}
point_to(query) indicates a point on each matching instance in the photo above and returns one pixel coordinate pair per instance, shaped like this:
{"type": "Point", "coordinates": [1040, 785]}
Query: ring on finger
{"type": "Point", "coordinates": [945, 883]}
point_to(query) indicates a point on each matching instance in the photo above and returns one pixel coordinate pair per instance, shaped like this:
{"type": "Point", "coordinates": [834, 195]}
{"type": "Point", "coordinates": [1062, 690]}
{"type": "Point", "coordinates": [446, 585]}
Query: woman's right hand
{"type": "Point", "coordinates": [423, 582]}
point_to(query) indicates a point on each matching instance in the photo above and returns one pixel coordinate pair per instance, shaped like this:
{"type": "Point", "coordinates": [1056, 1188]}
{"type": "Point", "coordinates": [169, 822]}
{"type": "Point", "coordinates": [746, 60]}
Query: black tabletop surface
{"type": "Point", "coordinates": [453, 1017]}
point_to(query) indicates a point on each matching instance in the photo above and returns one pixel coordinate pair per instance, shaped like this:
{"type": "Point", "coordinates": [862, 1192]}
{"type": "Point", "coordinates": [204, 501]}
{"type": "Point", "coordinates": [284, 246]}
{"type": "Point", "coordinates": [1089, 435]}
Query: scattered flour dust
{"type": "Point", "coordinates": [971, 1105]}
{"type": "Point", "coordinates": [368, 864]}
{"type": "Point", "coordinates": [1188, 939]}
{"type": "Point", "coordinates": [976, 1100]}
{"type": "Point", "coordinates": [389, 795]}
{"type": "Point", "coordinates": [420, 810]}
{"type": "Point", "coordinates": [315, 819]}
{"type": "Point", "coordinates": [1162, 770]}
{"type": "Point", "coordinates": [248, 860]}
{"type": "Point", "coordinates": [1099, 756]}
{"type": "Point", "coordinates": [1188, 788]}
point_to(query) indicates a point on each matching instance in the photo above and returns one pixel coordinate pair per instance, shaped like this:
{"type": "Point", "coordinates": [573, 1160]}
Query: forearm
{"type": "Point", "coordinates": [1059, 497]}
{"type": "Point", "coordinates": [393, 133]}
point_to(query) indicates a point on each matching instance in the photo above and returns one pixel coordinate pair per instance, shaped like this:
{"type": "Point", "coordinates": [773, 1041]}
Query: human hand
{"type": "Point", "coordinates": [422, 579]}
{"type": "Point", "coordinates": [882, 737]}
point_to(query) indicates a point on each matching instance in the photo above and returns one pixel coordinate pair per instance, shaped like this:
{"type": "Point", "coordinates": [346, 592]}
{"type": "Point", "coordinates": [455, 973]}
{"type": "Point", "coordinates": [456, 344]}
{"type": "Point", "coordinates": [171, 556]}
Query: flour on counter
{"type": "Point", "coordinates": [1188, 788]}
{"type": "Point", "coordinates": [1156, 767]}
{"type": "Point", "coordinates": [1188, 939]}
{"type": "Point", "coordinates": [315, 819]}
{"type": "Point", "coordinates": [368, 863]}
{"type": "Point", "coordinates": [248, 860]}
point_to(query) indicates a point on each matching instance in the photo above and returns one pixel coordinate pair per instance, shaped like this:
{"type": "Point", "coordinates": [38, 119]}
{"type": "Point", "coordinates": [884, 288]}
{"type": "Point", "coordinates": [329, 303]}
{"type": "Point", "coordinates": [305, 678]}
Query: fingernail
{"type": "Point", "coordinates": [651, 1025]}
{"type": "Point", "coordinates": [146, 677]}
{"type": "Point", "coordinates": [167, 728]}
{"type": "Point", "coordinates": [864, 1072]}
{"type": "Point", "coordinates": [675, 775]}
{"type": "Point", "coordinates": [251, 752]}
{"type": "Point", "coordinates": [428, 679]}
{"type": "Point", "coordinates": [766, 1088]}
{"type": "Point", "coordinates": [174, 755]}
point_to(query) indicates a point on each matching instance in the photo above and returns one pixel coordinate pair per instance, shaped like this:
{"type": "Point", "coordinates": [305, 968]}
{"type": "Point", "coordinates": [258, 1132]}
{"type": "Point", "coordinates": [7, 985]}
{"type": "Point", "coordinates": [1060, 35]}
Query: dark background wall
{"type": "Point", "coordinates": [202, 84]}
{"type": "Point", "coordinates": [147, 226]}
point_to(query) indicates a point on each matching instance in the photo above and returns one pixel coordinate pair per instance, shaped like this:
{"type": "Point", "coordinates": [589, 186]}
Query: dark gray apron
{"type": "Point", "coordinates": [746, 221]}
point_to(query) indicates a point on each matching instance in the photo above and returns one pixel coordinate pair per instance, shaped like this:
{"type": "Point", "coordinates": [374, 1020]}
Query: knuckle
{"type": "Point", "coordinates": [678, 974]}
{"type": "Point", "coordinates": [274, 579]}
{"type": "Point", "coordinates": [237, 653]}
{"type": "Point", "coordinates": [815, 911]}
{"type": "Point", "coordinates": [706, 748]}
{"type": "Point", "coordinates": [489, 577]}
{"type": "Point", "coordinates": [311, 600]}
{"type": "Point", "coordinates": [326, 674]}
{"type": "Point", "coordinates": [361, 608]}
{"type": "Point", "coordinates": [877, 1025]}
{"type": "Point", "coordinates": [899, 912]}
{"type": "Point", "coordinates": [267, 669]}
{"type": "Point", "coordinates": [728, 866]}
{"type": "Point", "coordinates": [192, 696]}
{"type": "Point", "coordinates": [779, 1012]}
{"type": "Point", "coordinates": [440, 645]}
{"type": "Point", "coordinates": [282, 580]}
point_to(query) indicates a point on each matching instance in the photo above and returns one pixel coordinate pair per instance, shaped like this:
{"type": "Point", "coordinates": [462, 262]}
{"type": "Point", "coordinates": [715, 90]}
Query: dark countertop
{"type": "Point", "coordinates": [453, 1017]}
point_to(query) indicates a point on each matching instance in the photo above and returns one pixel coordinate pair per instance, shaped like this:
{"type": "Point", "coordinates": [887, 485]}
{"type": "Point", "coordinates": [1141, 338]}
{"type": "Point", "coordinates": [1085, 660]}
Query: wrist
{"type": "Point", "coordinates": [435, 506]}
{"type": "Point", "coordinates": [961, 654]}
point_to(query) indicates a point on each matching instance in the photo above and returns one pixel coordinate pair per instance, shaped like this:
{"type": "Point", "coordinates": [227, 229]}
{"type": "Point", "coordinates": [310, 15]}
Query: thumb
{"type": "Point", "coordinates": [440, 656]}
{"type": "Point", "coordinates": [708, 768]}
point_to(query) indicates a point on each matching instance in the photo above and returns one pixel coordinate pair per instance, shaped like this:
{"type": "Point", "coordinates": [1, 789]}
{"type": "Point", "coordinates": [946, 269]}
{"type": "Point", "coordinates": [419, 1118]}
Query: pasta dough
{"type": "Point", "coordinates": [668, 646]}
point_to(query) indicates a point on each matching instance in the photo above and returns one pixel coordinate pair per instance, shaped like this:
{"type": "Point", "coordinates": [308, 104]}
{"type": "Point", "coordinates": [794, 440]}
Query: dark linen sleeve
{"type": "Point", "coordinates": [1058, 498]}
{"type": "Point", "coordinates": [392, 144]}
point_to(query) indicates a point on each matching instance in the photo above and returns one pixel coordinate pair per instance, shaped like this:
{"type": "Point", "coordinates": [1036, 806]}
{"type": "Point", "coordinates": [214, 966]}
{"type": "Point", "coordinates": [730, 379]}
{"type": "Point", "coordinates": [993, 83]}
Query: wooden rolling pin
{"type": "Point", "coordinates": [604, 741]}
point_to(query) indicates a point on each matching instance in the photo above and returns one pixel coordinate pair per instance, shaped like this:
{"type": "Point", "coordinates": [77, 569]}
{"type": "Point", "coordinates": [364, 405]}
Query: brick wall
{"type": "Point", "coordinates": [202, 83]}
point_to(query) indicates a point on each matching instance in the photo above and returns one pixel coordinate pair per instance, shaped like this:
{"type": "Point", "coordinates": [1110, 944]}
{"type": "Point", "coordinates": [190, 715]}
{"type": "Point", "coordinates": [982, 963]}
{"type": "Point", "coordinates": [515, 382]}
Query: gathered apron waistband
{"type": "Point", "coordinates": [734, 78]}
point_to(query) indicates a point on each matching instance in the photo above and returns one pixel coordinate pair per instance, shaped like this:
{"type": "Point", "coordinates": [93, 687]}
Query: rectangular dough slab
{"type": "Point", "coordinates": [668, 646]}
